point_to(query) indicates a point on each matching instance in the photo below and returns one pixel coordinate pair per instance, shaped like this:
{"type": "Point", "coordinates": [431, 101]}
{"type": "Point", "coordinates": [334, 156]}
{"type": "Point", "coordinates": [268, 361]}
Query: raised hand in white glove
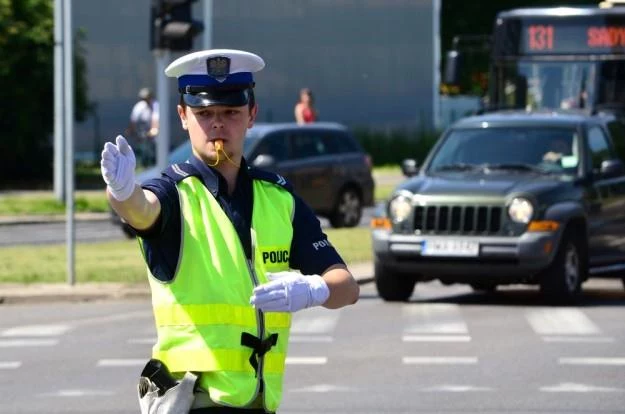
{"type": "Point", "coordinates": [118, 168]}
{"type": "Point", "coordinates": [290, 292]}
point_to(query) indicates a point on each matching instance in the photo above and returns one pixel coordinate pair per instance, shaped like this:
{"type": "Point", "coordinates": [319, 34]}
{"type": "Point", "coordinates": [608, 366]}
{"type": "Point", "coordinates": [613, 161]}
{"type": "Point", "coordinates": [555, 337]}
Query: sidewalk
{"type": "Point", "coordinates": [52, 218]}
{"type": "Point", "coordinates": [11, 293]}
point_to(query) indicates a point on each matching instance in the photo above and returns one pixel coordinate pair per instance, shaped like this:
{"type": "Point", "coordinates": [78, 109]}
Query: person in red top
{"type": "Point", "coordinates": [305, 111]}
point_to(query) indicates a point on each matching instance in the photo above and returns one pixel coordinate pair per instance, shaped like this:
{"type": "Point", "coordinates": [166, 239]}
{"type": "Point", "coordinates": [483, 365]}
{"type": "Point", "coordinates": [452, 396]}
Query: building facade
{"type": "Point", "coordinates": [369, 63]}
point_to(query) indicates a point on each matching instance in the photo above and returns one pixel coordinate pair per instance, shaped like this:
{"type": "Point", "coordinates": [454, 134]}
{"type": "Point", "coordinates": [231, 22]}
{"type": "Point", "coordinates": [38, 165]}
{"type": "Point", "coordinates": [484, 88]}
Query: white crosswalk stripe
{"type": "Point", "coordinates": [306, 360]}
{"type": "Point", "coordinates": [122, 362]}
{"type": "Point", "coordinates": [457, 388]}
{"type": "Point", "coordinates": [578, 339]}
{"type": "Point", "coordinates": [315, 321]}
{"type": "Point", "coordinates": [430, 360]}
{"type": "Point", "coordinates": [310, 339]}
{"type": "Point", "coordinates": [77, 393]}
{"type": "Point", "coordinates": [10, 364]}
{"type": "Point", "coordinates": [21, 343]}
{"type": "Point", "coordinates": [573, 387]}
{"type": "Point", "coordinates": [433, 319]}
{"type": "Point", "coordinates": [550, 321]}
{"type": "Point", "coordinates": [142, 341]}
{"type": "Point", "coordinates": [36, 330]}
{"type": "Point", "coordinates": [592, 361]}
{"type": "Point", "coordinates": [436, 338]}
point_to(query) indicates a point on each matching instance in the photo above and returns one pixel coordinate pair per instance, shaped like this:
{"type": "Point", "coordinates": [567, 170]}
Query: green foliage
{"type": "Point", "coordinates": [27, 89]}
{"type": "Point", "coordinates": [393, 146]}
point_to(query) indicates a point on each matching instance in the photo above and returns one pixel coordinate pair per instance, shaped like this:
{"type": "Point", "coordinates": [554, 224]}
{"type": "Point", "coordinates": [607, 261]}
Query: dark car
{"type": "Point", "coordinates": [508, 198]}
{"type": "Point", "coordinates": [323, 161]}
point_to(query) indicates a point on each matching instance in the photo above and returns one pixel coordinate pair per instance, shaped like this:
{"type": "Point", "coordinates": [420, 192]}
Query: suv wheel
{"type": "Point", "coordinates": [348, 210]}
{"type": "Point", "coordinates": [562, 281]}
{"type": "Point", "coordinates": [392, 286]}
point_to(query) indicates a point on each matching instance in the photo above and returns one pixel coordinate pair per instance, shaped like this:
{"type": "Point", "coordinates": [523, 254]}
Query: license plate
{"type": "Point", "coordinates": [444, 247]}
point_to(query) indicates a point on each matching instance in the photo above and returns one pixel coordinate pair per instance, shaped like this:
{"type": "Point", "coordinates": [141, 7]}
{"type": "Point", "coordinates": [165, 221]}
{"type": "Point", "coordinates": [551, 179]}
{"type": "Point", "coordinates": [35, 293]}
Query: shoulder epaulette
{"type": "Point", "coordinates": [271, 177]}
{"type": "Point", "coordinates": [179, 172]}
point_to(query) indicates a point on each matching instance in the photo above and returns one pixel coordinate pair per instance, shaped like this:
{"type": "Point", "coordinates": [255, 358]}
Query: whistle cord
{"type": "Point", "coordinates": [219, 148]}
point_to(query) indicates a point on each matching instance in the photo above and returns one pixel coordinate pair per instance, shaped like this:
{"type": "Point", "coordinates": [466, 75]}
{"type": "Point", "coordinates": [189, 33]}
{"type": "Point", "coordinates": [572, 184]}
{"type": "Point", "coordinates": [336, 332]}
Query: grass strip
{"type": "Point", "coordinates": [121, 261]}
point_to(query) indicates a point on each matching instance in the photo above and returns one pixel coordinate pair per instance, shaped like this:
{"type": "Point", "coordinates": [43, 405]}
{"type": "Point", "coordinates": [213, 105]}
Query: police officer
{"type": "Point", "coordinates": [220, 240]}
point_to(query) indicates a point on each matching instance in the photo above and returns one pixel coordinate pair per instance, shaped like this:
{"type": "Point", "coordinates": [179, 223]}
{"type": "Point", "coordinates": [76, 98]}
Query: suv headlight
{"type": "Point", "coordinates": [400, 208]}
{"type": "Point", "coordinates": [521, 210]}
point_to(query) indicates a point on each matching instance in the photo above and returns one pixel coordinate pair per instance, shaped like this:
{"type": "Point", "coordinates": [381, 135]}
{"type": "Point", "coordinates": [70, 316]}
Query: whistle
{"type": "Point", "coordinates": [219, 143]}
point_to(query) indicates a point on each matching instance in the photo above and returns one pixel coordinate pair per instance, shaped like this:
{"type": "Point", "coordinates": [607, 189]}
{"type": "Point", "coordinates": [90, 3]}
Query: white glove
{"type": "Point", "coordinates": [118, 168]}
{"type": "Point", "coordinates": [290, 292]}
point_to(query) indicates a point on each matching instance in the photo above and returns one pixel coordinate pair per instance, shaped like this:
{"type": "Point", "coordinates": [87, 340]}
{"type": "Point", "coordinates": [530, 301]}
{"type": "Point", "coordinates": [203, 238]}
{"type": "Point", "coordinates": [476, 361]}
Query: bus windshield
{"type": "Point", "coordinates": [560, 85]}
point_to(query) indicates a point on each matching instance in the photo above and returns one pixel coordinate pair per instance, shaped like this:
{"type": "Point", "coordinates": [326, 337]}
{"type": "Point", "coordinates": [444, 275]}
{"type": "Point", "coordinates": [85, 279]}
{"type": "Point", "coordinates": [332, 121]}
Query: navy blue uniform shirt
{"type": "Point", "coordinates": [311, 253]}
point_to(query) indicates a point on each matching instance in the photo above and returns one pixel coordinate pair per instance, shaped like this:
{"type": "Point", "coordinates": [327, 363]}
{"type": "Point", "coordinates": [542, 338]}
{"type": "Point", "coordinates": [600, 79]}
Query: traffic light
{"type": "Point", "coordinates": [172, 26]}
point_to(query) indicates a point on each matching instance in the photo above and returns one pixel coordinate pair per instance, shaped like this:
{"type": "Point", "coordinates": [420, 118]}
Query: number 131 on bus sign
{"type": "Point", "coordinates": [540, 37]}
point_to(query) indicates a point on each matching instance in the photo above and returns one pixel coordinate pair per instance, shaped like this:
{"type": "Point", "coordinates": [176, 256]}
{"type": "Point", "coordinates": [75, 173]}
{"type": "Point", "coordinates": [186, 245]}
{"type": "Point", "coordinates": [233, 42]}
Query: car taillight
{"type": "Point", "coordinates": [368, 161]}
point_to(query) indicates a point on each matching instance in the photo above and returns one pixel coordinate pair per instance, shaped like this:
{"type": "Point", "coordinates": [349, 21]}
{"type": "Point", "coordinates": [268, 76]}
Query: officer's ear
{"type": "Point", "coordinates": [183, 115]}
{"type": "Point", "coordinates": [253, 113]}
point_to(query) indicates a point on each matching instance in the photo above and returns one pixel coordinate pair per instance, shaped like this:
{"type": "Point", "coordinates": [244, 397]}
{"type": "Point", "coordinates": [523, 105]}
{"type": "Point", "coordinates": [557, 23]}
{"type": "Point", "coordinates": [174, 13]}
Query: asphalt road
{"type": "Point", "coordinates": [88, 231]}
{"type": "Point", "coordinates": [449, 350]}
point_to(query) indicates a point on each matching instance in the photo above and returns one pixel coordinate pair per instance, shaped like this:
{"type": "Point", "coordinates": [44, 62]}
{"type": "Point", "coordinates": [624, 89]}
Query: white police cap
{"type": "Point", "coordinates": [215, 76]}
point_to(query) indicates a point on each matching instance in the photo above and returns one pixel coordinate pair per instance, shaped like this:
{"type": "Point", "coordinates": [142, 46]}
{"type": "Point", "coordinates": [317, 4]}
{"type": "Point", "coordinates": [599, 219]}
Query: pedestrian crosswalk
{"type": "Point", "coordinates": [413, 324]}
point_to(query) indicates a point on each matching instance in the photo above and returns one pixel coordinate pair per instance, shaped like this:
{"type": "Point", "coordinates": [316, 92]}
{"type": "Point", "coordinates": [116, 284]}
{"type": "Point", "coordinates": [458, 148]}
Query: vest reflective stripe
{"type": "Point", "coordinates": [201, 314]}
{"type": "Point", "coordinates": [215, 314]}
{"type": "Point", "coordinates": [224, 360]}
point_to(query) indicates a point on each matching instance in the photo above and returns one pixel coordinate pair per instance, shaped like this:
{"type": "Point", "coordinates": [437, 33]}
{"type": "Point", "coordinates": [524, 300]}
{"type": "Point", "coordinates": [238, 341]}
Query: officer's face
{"type": "Point", "coordinates": [209, 124]}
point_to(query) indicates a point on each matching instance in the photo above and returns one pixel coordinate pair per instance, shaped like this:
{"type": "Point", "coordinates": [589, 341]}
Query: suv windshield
{"type": "Point", "coordinates": [527, 148]}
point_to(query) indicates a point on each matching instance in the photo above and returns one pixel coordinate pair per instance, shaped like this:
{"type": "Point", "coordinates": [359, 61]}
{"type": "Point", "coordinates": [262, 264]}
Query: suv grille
{"type": "Point", "coordinates": [458, 219]}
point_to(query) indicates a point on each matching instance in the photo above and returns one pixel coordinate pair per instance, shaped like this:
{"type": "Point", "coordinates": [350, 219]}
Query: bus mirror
{"type": "Point", "coordinates": [452, 67]}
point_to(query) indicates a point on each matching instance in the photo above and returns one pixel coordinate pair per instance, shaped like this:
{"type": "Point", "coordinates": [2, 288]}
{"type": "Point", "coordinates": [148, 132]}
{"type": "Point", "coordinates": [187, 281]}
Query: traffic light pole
{"type": "Point", "coordinates": [68, 84]}
{"type": "Point", "coordinates": [162, 57]}
{"type": "Point", "coordinates": [207, 34]}
{"type": "Point", "coordinates": [59, 100]}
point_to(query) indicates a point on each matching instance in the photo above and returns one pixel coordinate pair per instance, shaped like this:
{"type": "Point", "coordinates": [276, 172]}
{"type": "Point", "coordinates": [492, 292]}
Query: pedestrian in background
{"type": "Point", "coordinates": [222, 241]}
{"type": "Point", "coordinates": [305, 111]}
{"type": "Point", "coordinates": [143, 126]}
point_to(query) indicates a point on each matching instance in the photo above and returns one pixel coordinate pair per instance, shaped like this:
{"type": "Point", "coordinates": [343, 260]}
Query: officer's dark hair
{"type": "Point", "coordinates": [250, 93]}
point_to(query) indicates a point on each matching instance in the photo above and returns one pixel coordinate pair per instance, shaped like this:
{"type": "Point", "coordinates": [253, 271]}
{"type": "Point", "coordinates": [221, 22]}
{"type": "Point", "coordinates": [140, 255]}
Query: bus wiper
{"type": "Point", "coordinates": [461, 166]}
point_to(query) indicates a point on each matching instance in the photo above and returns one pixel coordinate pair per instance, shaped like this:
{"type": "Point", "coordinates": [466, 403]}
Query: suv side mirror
{"type": "Point", "coordinates": [409, 167]}
{"type": "Point", "coordinates": [612, 168]}
{"type": "Point", "coordinates": [264, 161]}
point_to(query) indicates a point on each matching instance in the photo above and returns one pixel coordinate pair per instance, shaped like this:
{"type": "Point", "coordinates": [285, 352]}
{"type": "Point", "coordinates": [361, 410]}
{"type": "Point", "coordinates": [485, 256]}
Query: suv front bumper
{"type": "Point", "coordinates": [498, 259]}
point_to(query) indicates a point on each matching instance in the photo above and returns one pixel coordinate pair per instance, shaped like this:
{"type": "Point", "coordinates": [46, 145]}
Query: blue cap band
{"type": "Point", "coordinates": [205, 80]}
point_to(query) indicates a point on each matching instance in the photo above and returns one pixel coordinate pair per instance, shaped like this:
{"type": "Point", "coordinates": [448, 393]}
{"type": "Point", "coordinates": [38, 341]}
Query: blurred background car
{"type": "Point", "coordinates": [324, 163]}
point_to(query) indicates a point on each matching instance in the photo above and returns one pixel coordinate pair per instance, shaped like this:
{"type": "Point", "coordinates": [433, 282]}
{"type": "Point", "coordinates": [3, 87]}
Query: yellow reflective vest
{"type": "Point", "coordinates": [203, 317]}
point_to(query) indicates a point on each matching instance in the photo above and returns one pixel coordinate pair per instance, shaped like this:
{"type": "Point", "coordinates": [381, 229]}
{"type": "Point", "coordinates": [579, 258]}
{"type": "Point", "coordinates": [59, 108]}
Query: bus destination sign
{"type": "Point", "coordinates": [552, 37]}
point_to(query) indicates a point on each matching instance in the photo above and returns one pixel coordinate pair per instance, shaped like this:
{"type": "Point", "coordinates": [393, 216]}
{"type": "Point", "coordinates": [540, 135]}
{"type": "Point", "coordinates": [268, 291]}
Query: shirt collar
{"type": "Point", "coordinates": [211, 178]}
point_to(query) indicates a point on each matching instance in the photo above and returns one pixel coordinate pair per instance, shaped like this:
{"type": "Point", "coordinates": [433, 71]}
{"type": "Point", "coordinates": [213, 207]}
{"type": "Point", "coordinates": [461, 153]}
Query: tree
{"type": "Point", "coordinates": [27, 90]}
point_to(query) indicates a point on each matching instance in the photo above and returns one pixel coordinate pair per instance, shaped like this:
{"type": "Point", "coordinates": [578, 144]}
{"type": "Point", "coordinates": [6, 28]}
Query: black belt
{"type": "Point", "coordinates": [259, 346]}
{"type": "Point", "coordinates": [228, 410]}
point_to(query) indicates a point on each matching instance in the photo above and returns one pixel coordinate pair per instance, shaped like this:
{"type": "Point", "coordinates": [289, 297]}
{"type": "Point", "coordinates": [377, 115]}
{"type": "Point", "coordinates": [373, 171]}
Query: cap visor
{"type": "Point", "coordinates": [226, 98]}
